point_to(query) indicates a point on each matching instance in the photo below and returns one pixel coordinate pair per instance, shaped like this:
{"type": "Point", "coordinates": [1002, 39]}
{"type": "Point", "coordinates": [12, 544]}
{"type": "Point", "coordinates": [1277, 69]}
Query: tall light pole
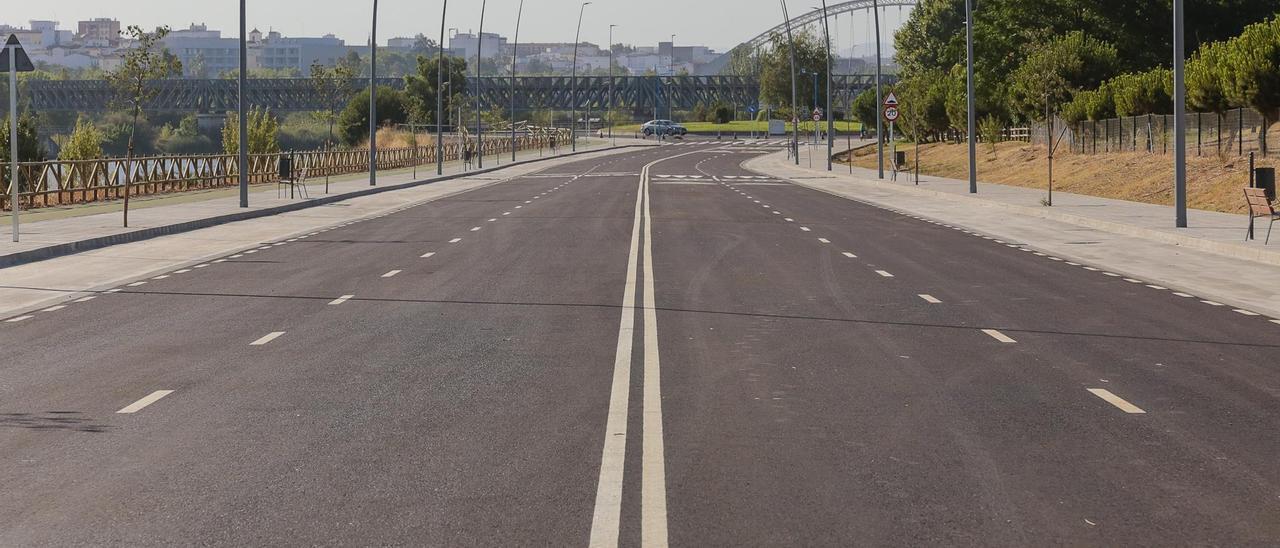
{"type": "Point", "coordinates": [826, 33]}
{"type": "Point", "coordinates": [479, 56]}
{"type": "Point", "coordinates": [1179, 118]}
{"type": "Point", "coordinates": [672, 75]}
{"type": "Point", "coordinates": [440, 95]}
{"type": "Point", "coordinates": [573, 83]}
{"type": "Point", "coordinates": [515, 49]}
{"type": "Point", "coordinates": [373, 98]}
{"type": "Point", "coordinates": [243, 172]}
{"type": "Point", "coordinates": [973, 109]}
{"type": "Point", "coordinates": [609, 116]}
{"type": "Point", "coordinates": [875, 11]}
{"type": "Point", "coordinates": [795, 120]}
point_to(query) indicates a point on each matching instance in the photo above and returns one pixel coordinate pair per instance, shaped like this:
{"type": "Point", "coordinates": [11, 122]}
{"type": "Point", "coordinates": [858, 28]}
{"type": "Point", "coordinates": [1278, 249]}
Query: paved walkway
{"type": "Point", "coordinates": [56, 231]}
{"type": "Point", "coordinates": [1209, 259]}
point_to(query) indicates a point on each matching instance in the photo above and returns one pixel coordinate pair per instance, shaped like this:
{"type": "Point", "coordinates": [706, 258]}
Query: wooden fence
{"type": "Point", "coordinates": [56, 182]}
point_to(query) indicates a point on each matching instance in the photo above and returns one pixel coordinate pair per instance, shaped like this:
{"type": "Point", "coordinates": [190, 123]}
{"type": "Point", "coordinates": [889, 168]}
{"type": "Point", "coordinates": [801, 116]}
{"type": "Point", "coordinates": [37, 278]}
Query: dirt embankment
{"type": "Point", "coordinates": [1213, 182]}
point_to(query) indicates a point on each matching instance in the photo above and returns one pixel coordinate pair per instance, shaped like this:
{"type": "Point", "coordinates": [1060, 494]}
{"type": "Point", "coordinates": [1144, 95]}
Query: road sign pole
{"type": "Point", "coordinates": [373, 98]}
{"type": "Point", "coordinates": [875, 10]}
{"type": "Point", "coordinates": [1179, 119]}
{"type": "Point", "coordinates": [973, 144]}
{"type": "Point", "coordinates": [13, 136]}
{"type": "Point", "coordinates": [242, 120]}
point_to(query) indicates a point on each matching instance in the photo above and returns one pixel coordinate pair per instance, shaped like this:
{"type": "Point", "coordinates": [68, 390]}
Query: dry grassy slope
{"type": "Point", "coordinates": [1213, 183]}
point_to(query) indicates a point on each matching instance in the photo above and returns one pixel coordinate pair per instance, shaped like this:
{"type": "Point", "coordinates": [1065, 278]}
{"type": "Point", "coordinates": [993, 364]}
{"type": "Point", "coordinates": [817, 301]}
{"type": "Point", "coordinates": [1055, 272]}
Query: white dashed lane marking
{"type": "Point", "coordinates": [999, 336]}
{"type": "Point", "coordinates": [54, 308]}
{"type": "Point", "coordinates": [850, 255]}
{"type": "Point", "coordinates": [267, 338]}
{"type": "Point", "coordinates": [145, 401]}
{"type": "Point", "coordinates": [885, 274]}
{"type": "Point", "coordinates": [929, 298]}
{"type": "Point", "coordinates": [455, 240]}
{"type": "Point", "coordinates": [824, 240]}
{"type": "Point", "coordinates": [341, 299]}
{"type": "Point", "coordinates": [1117, 401]}
{"type": "Point", "coordinates": [428, 255]}
{"type": "Point", "coordinates": [392, 273]}
{"type": "Point", "coordinates": [19, 319]}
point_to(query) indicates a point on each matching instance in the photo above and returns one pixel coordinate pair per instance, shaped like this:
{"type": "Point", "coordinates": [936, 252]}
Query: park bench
{"type": "Point", "coordinates": [1259, 206]}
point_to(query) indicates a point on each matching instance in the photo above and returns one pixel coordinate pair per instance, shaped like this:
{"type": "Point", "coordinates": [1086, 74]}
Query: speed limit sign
{"type": "Point", "coordinates": [891, 113]}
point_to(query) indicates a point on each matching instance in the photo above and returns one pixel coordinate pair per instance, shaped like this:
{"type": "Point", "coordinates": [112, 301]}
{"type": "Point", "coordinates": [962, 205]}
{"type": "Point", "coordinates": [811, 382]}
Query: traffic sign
{"type": "Point", "coordinates": [751, 109]}
{"type": "Point", "coordinates": [891, 113]}
{"type": "Point", "coordinates": [24, 62]}
{"type": "Point", "coordinates": [817, 117]}
{"type": "Point", "coordinates": [891, 100]}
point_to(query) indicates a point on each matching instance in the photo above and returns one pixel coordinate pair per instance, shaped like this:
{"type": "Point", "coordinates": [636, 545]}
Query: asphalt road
{"type": "Point", "coordinates": [652, 347]}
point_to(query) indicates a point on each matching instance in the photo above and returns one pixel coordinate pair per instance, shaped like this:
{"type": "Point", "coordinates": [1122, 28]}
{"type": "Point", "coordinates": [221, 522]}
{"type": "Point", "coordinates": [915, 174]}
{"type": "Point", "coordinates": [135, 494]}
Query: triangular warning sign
{"type": "Point", "coordinates": [24, 62]}
{"type": "Point", "coordinates": [891, 100]}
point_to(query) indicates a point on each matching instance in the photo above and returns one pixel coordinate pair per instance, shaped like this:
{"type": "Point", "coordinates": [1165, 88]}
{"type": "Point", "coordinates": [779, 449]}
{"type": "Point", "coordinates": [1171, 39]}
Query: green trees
{"type": "Point", "coordinates": [421, 89]}
{"type": "Point", "coordinates": [775, 72]}
{"type": "Point", "coordinates": [263, 132]}
{"type": "Point", "coordinates": [29, 147]}
{"type": "Point", "coordinates": [332, 87]}
{"type": "Point", "coordinates": [353, 123]}
{"type": "Point", "coordinates": [145, 62]}
{"type": "Point", "coordinates": [1250, 73]}
{"type": "Point", "coordinates": [865, 109]}
{"type": "Point", "coordinates": [84, 143]}
{"type": "Point", "coordinates": [1055, 70]}
{"type": "Point", "coordinates": [922, 101]}
{"type": "Point", "coordinates": [1149, 92]}
{"type": "Point", "coordinates": [184, 139]}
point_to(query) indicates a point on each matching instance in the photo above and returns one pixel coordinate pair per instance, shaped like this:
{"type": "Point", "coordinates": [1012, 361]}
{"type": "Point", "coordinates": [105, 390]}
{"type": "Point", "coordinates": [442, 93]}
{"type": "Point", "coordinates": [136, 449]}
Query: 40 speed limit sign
{"type": "Point", "coordinates": [891, 113]}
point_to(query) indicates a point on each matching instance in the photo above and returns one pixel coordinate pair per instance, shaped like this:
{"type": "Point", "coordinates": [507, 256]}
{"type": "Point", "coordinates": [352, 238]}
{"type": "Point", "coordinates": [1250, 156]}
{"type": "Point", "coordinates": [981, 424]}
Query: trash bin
{"type": "Point", "coordinates": [1265, 177]}
{"type": "Point", "coordinates": [285, 168]}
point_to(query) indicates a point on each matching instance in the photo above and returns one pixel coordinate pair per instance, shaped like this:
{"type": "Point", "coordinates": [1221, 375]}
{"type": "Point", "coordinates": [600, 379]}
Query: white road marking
{"type": "Point", "coordinates": [789, 220]}
{"type": "Point", "coordinates": [136, 284]}
{"type": "Point", "coordinates": [54, 308]}
{"type": "Point", "coordinates": [805, 228]}
{"type": "Point", "coordinates": [999, 336]}
{"type": "Point", "coordinates": [824, 240]}
{"type": "Point", "coordinates": [885, 274]}
{"type": "Point", "coordinates": [1183, 295]}
{"type": "Point", "coordinates": [341, 299]}
{"type": "Point", "coordinates": [850, 255]}
{"type": "Point", "coordinates": [653, 474]}
{"type": "Point", "coordinates": [519, 207]}
{"type": "Point", "coordinates": [1112, 274]}
{"type": "Point", "coordinates": [475, 229]}
{"type": "Point", "coordinates": [19, 319]}
{"type": "Point", "coordinates": [1275, 321]}
{"type": "Point", "coordinates": [1133, 281]}
{"type": "Point", "coordinates": [1211, 303]}
{"type": "Point", "coordinates": [777, 213]}
{"type": "Point", "coordinates": [492, 220]}
{"type": "Point", "coordinates": [267, 338]}
{"type": "Point", "coordinates": [145, 401]}
{"type": "Point", "coordinates": [250, 252]}
{"type": "Point", "coordinates": [392, 273]}
{"type": "Point", "coordinates": [161, 277]}
{"type": "Point", "coordinates": [1073, 264]}
{"type": "Point", "coordinates": [85, 299]}
{"type": "Point", "coordinates": [183, 271]}
{"type": "Point", "coordinates": [455, 240]}
{"type": "Point", "coordinates": [220, 261]}
{"type": "Point", "coordinates": [237, 256]}
{"type": "Point", "coordinates": [506, 212]}
{"type": "Point", "coordinates": [1246, 312]}
{"type": "Point", "coordinates": [929, 298]}
{"type": "Point", "coordinates": [1117, 401]}
{"type": "Point", "coordinates": [428, 255]}
{"type": "Point", "coordinates": [115, 290]}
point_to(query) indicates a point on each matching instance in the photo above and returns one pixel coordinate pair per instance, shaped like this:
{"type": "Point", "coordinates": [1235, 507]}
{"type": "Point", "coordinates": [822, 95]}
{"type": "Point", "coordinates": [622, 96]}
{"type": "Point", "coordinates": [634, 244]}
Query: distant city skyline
{"type": "Point", "coordinates": [640, 23]}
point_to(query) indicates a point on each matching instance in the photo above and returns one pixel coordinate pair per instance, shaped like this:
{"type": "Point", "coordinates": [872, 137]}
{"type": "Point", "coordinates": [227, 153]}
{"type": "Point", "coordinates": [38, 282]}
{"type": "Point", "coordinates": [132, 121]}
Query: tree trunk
{"type": "Point", "coordinates": [128, 165]}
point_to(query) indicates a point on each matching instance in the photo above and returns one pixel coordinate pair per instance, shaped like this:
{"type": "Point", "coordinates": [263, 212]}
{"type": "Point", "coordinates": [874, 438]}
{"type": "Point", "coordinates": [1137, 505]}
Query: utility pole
{"type": "Point", "coordinates": [13, 132]}
{"type": "Point", "coordinates": [973, 112]}
{"type": "Point", "coordinates": [826, 31]}
{"type": "Point", "coordinates": [243, 171]}
{"type": "Point", "coordinates": [373, 98]}
{"type": "Point", "coordinates": [440, 94]}
{"type": "Point", "coordinates": [1179, 117]}
{"type": "Point", "coordinates": [479, 57]}
{"type": "Point", "coordinates": [573, 83]}
{"type": "Point", "coordinates": [795, 118]}
{"type": "Point", "coordinates": [515, 50]}
{"type": "Point", "coordinates": [875, 10]}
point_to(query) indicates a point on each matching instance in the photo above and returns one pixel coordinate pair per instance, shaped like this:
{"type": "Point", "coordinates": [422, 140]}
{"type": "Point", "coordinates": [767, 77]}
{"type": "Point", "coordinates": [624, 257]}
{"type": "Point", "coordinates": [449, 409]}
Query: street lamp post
{"type": "Point", "coordinates": [826, 32]}
{"type": "Point", "coordinates": [875, 11]}
{"type": "Point", "coordinates": [440, 94]}
{"type": "Point", "coordinates": [609, 116]}
{"type": "Point", "coordinates": [573, 83]}
{"type": "Point", "coordinates": [515, 48]}
{"type": "Point", "coordinates": [795, 119]}
{"type": "Point", "coordinates": [972, 103]}
{"type": "Point", "coordinates": [243, 171]}
{"type": "Point", "coordinates": [373, 98]}
{"type": "Point", "coordinates": [1179, 118]}
{"type": "Point", "coordinates": [479, 56]}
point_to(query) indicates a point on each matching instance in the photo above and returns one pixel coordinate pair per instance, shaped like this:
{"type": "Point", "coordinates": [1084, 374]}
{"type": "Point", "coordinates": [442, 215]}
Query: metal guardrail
{"type": "Point", "coordinates": [57, 182]}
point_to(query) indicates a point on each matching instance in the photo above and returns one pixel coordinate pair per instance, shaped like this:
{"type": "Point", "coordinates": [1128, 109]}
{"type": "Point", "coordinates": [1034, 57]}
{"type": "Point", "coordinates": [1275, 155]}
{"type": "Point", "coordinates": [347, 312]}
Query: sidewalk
{"type": "Point", "coordinates": [57, 231]}
{"type": "Point", "coordinates": [1209, 259]}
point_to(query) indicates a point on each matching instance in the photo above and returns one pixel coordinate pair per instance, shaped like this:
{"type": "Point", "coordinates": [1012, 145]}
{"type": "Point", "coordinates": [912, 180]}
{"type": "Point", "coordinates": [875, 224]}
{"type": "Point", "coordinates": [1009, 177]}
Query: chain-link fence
{"type": "Point", "coordinates": [1232, 133]}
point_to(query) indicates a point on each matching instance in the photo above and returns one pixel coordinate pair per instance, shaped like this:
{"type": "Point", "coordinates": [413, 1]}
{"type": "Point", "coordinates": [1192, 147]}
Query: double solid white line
{"type": "Point", "coordinates": [607, 517]}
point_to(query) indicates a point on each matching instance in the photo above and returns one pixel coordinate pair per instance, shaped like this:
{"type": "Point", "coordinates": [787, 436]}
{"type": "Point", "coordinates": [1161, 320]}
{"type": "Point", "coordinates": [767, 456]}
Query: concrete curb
{"type": "Point", "coordinates": [1224, 249]}
{"type": "Point", "coordinates": [70, 248]}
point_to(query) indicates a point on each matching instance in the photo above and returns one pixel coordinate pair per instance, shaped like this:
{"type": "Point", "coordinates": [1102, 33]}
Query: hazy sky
{"type": "Point", "coordinates": [720, 24]}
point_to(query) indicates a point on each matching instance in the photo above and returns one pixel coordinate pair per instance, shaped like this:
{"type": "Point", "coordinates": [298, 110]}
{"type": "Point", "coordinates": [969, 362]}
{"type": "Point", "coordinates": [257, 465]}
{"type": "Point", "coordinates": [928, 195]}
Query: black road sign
{"type": "Point", "coordinates": [24, 62]}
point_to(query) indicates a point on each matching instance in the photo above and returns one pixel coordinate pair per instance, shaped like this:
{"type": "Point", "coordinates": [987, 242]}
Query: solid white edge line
{"type": "Point", "coordinates": [1117, 401]}
{"type": "Point", "coordinates": [145, 401]}
{"type": "Point", "coordinates": [653, 487]}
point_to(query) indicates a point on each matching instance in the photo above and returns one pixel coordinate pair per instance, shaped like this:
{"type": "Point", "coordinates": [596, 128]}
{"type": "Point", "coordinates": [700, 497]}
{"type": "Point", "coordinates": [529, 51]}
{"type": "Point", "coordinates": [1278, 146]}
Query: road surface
{"type": "Point", "coordinates": [652, 347]}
